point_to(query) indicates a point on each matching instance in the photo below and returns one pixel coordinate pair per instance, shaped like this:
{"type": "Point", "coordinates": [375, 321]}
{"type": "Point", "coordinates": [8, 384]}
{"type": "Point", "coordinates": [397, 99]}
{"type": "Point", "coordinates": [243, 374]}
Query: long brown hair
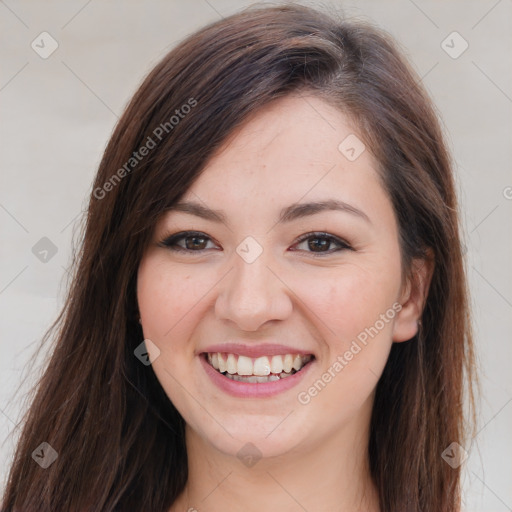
{"type": "Point", "coordinates": [120, 441]}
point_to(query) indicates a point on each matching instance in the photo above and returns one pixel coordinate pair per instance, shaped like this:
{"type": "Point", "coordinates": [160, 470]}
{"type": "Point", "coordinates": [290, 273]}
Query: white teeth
{"type": "Point", "coordinates": [222, 364]}
{"type": "Point", "coordinates": [231, 364]}
{"type": "Point", "coordinates": [261, 369]}
{"type": "Point", "coordinates": [276, 364]}
{"type": "Point", "coordinates": [297, 363]}
{"type": "Point", "coordinates": [245, 366]}
{"type": "Point", "coordinates": [261, 366]}
{"type": "Point", "coordinates": [253, 379]}
{"type": "Point", "coordinates": [288, 363]}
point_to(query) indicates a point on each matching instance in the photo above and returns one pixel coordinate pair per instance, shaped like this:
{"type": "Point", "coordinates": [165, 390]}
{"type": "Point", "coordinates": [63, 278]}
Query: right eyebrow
{"type": "Point", "coordinates": [199, 211]}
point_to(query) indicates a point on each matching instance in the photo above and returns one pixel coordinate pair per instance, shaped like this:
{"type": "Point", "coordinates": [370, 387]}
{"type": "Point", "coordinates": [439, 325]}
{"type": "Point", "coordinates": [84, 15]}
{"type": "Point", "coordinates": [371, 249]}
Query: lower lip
{"type": "Point", "coordinates": [253, 390]}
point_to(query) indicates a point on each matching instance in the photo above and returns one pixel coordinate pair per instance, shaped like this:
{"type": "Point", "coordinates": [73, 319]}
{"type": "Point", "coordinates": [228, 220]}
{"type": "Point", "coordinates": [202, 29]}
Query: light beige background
{"type": "Point", "coordinates": [57, 115]}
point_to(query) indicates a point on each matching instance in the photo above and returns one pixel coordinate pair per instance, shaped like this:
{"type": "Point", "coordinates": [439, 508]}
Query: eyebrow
{"type": "Point", "coordinates": [287, 214]}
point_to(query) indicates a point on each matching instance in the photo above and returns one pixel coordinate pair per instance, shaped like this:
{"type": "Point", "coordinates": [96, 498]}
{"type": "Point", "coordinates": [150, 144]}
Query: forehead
{"type": "Point", "coordinates": [292, 150]}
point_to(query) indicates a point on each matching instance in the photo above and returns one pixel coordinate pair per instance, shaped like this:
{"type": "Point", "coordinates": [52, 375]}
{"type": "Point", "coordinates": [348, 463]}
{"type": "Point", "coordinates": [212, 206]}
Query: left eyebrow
{"type": "Point", "coordinates": [287, 214]}
{"type": "Point", "coordinates": [300, 210]}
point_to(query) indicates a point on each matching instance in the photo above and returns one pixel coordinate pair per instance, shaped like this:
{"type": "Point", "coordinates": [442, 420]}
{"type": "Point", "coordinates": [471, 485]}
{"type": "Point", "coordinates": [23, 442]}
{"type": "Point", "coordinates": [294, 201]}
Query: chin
{"type": "Point", "coordinates": [262, 437]}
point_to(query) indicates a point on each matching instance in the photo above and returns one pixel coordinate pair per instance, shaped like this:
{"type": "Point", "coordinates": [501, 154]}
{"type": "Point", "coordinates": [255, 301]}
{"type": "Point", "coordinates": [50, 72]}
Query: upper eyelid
{"type": "Point", "coordinates": [322, 234]}
{"type": "Point", "coordinates": [180, 235]}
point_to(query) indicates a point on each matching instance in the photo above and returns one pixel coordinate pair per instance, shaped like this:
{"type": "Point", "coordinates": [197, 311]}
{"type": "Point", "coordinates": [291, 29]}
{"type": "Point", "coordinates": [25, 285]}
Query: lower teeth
{"type": "Point", "coordinates": [257, 379]}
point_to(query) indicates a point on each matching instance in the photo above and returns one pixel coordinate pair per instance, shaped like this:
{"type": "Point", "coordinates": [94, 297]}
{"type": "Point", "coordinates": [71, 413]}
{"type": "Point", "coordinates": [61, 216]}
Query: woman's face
{"type": "Point", "coordinates": [289, 257]}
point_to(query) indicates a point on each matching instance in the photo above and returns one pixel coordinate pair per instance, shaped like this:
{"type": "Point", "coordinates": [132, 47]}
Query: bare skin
{"type": "Point", "coordinates": [314, 295]}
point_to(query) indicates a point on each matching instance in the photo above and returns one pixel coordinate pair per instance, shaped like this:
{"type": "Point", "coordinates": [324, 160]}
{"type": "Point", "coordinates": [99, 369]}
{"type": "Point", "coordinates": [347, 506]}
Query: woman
{"type": "Point", "coordinates": [270, 306]}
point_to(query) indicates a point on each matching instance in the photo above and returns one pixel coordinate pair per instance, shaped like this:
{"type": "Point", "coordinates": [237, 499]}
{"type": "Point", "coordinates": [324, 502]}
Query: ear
{"type": "Point", "coordinates": [413, 297]}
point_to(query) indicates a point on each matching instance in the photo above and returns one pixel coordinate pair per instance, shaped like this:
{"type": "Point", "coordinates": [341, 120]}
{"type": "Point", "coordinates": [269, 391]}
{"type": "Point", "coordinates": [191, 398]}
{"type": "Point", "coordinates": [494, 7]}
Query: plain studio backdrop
{"type": "Point", "coordinates": [68, 69]}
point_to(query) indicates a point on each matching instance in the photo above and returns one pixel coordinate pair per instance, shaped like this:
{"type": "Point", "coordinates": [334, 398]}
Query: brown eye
{"type": "Point", "coordinates": [195, 242]}
{"type": "Point", "coordinates": [190, 241]}
{"type": "Point", "coordinates": [321, 243]}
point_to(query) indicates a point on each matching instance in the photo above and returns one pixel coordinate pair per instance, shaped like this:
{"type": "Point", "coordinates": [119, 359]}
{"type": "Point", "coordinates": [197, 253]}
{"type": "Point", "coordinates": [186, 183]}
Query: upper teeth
{"type": "Point", "coordinates": [243, 365]}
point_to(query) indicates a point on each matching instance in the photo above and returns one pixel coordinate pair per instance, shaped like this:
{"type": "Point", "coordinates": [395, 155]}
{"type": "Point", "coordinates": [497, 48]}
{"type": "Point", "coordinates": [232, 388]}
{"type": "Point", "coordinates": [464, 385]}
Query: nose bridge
{"type": "Point", "coordinates": [252, 294]}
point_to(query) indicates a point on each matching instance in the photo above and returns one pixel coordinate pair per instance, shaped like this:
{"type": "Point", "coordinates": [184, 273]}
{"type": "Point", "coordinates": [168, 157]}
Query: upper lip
{"type": "Point", "coordinates": [241, 349]}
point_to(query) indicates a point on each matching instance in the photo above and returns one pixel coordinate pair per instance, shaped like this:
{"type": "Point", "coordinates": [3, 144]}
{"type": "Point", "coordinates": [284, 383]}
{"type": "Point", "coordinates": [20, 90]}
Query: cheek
{"type": "Point", "coordinates": [166, 296]}
{"type": "Point", "coordinates": [168, 300]}
{"type": "Point", "coordinates": [353, 311]}
{"type": "Point", "coordinates": [349, 299]}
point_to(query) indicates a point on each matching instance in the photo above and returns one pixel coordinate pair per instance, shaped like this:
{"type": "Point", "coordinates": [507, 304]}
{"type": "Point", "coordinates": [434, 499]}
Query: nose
{"type": "Point", "coordinates": [253, 294]}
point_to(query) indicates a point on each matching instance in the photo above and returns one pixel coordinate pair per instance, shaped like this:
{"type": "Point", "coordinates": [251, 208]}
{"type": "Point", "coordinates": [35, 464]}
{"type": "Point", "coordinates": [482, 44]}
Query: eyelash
{"type": "Point", "coordinates": [170, 242]}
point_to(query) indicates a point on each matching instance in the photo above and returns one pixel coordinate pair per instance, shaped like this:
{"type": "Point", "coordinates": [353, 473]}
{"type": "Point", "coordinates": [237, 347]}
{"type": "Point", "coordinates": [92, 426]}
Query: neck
{"type": "Point", "coordinates": [331, 475]}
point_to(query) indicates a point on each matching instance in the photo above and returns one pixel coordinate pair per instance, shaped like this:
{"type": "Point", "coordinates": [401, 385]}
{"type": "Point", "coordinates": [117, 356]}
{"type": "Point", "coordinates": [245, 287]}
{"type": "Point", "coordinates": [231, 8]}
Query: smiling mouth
{"type": "Point", "coordinates": [257, 370]}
